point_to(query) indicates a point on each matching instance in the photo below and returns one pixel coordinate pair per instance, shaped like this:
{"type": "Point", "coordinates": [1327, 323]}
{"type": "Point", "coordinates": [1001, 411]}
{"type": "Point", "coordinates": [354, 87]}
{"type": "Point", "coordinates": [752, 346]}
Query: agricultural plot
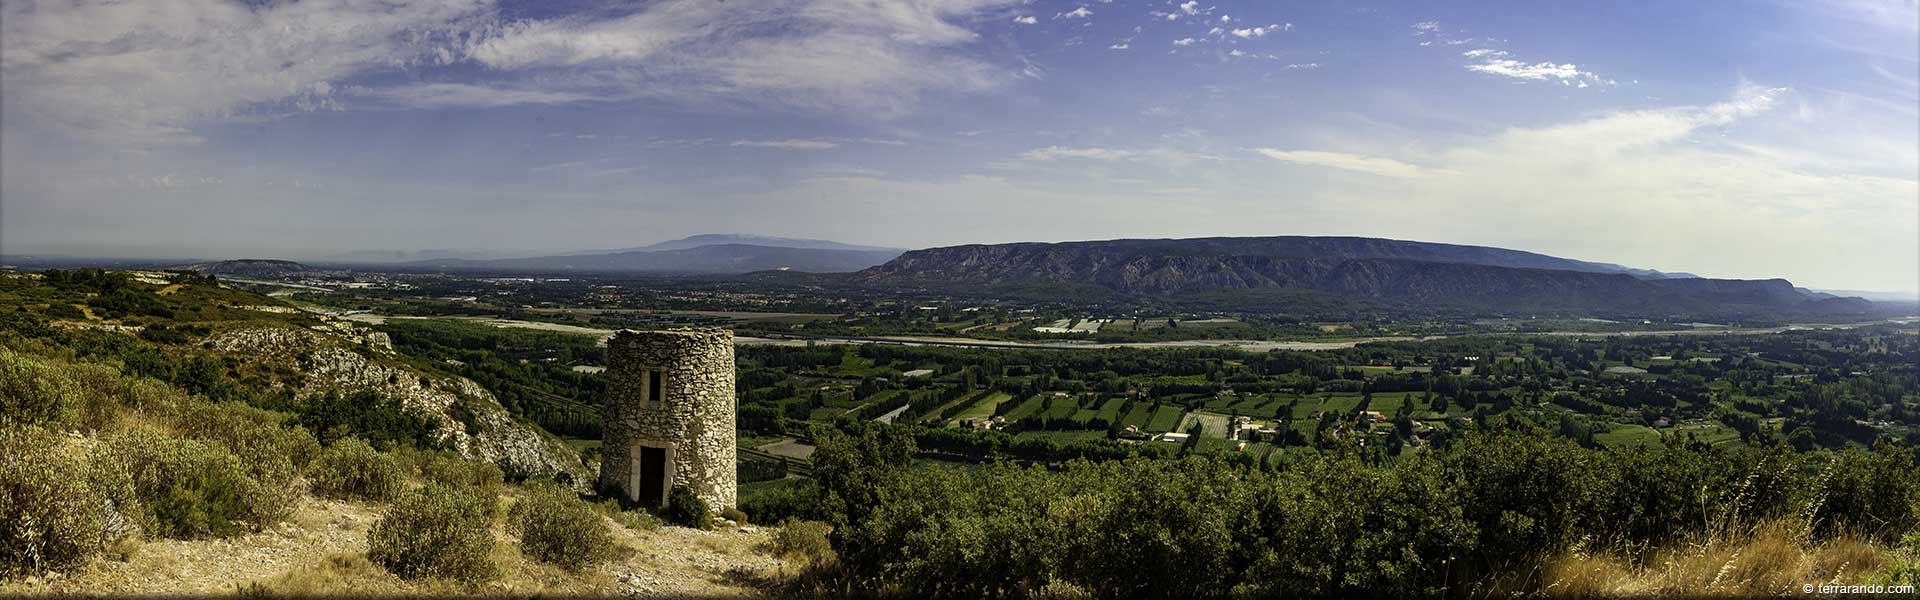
{"type": "Point", "coordinates": [933, 416]}
{"type": "Point", "coordinates": [1263, 406]}
{"type": "Point", "coordinates": [1088, 326]}
{"type": "Point", "coordinates": [1628, 436]}
{"type": "Point", "coordinates": [983, 406]}
{"type": "Point", "coordinates": [1110, 409]}
{"type": "Point", "coordinates": [1165, 419]}
{"type": "Point", "coordinates": [1138, 415]}
{"type": "Point", "coordinates": [1029, 407]}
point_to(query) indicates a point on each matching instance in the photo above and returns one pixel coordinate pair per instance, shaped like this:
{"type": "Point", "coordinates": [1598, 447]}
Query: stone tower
{"type": "Point", "coordinates": [669, 416]}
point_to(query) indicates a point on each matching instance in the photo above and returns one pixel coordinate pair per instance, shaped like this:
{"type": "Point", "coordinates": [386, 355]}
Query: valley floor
{"type": "Point", "coordinates": [321, 550]}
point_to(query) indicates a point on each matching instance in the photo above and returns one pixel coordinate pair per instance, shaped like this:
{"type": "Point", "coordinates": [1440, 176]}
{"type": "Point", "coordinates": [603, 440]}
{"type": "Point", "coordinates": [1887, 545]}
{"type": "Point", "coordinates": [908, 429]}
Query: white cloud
{"type": "Point", "coordinates": [1659, 188]}
{"type": "Point", "coordinates": [1119, 46]}
{"type": "Point", "coordinates": [1078, 13]}
{"type": "Point", "coordinates": [143, 72]}
{"type": "Point", "coordinates": [1059, 152]}
{"type": "Point", "coordinates": [1313, 65]}
{"type": "Point", "coordinates": [1191, 7]}
{"type": "Point", "coordinates": [1384, 167]}
{"type": "Point", "coordinates": [1425, 27]}
{"type": "Point", "coordinates": [1495, 62]}
{"type": "Point", "coordinates": [1025, 20]}
{"type": "Point", "coordinates": [1254, 32]}
{"type": "Point", "coordinates": [787, 144]}
{"type": "Point", "coordinates": [150, 71]}
{"type": "Point", "coordinates": [1183, 42]}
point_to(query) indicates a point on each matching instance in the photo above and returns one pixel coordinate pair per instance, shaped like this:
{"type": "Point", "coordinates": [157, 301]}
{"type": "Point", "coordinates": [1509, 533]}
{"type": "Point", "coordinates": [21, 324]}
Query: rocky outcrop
{"type": "Point", "coordinates": [343, 357]}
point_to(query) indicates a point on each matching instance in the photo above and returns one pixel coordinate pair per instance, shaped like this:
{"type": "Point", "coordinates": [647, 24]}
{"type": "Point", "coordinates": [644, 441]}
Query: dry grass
{"type": "Point", "coordinates": [1771, 560]}
{"type": "Point", "coordinates": [321, 551]}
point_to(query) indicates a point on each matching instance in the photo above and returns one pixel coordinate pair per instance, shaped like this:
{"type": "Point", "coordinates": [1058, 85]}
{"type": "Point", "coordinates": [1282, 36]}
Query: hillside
{"type": "Point", "coordinates": [718, 258]}
{"type": "Point", "coordinates": [1390, 271]}
{"type": "Point", "coordinates": [720, 239]}
{"type": "Point", "coordinates": [162, 434]}
{"type": "Point", "coordinates": [250, 268]}
{"type": "Point", "coordinates": [172, 327]}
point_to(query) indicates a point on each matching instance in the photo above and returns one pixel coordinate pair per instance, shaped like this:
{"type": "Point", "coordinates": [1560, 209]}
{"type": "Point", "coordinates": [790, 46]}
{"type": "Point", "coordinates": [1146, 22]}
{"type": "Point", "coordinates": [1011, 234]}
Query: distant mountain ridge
{"type": "Point", "coordinates": [712, 259]}
{"type": "Point", "coordinates": [742, 239]}
{"type": "Point", "coordinates": [250, 267]}
{"type": "Point", "coordinates": [1373, 269]}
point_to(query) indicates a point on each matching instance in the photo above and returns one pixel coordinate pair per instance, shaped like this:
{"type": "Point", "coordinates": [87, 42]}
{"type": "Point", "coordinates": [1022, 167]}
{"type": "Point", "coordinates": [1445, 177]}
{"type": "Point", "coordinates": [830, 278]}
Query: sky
{"type": "Point", "coordinates": [1741, 139]}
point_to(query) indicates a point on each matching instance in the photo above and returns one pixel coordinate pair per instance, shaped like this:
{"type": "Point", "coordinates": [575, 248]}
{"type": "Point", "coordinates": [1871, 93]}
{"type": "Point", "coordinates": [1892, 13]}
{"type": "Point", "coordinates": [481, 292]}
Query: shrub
{"type": "Point", "coordinates": [32, 391]}
{"type": "Point", "coordinates": [191, 489]}
{"type": "Point", "coordinates": [367, 415]}
{"type": "Point", "coordinates": [352, 469]}
{"type": "Point", "coordinates": [49, 517]}
{"type": "Point", "coordinates": [686, 509]}
{"type": "Point", "coordinates": [437, 532]}
{"type": "Point", "coordinates": [450, 469]}
{"type": "Point", "coordinates": [781, 501]}
{"type": "Point", "coordinates": [637, 520]}
{"type": "Point", "coordinates": [556, 527]}
{"type": "Point", "coordinates": [804, 542]}
{"type": "Point", "coordinates": [734, 514]}
{"type": "Point", "coordinates": [257, 436]}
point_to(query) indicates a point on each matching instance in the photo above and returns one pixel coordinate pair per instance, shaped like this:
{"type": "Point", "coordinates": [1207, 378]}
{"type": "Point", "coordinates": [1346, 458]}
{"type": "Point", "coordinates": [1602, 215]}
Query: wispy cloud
{"type": "Point", "coordinates": [1495, 62]}
{"type": "Point", "coordinates": [1384, 167]}
{"type": "Point", "coordinates": [787, 144]}
{"type": "Point", "coordinates": [69, 65]}
{"type": "Point", "coordinates": [1058, 152]}
{"type": "Point", "coordinates": [1078, 13]}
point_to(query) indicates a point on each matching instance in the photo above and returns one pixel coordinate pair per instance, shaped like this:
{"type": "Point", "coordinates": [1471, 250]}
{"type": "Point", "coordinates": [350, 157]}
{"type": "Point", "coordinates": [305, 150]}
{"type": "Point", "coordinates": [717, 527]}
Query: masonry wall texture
{"type": "Point", "coordinates": [694, 419]}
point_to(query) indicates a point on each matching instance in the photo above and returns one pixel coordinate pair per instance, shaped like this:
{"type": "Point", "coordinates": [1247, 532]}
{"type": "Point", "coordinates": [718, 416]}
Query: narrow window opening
{"type": "Point", "coordinates": [654, 386]}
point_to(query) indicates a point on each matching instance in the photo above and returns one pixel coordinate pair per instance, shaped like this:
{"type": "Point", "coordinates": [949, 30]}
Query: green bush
{"type": "Point", "coordinates": [257, 436]}
{"type": "Point", "coordinates": [556, 527]}
{"type": "Point", "coordinates": [805, 542]}
{"type": "Point", "coordinates": [367, 415]}
{"type": "Point", "coordinates": [686, 509]}
{"type": "Point", "coordinates": [436, 532]}
{"type": "Point", "coordinates": [192, 489]}
{"type": "Point", "coordinates": [50, 519]}
{"type": "Point", "coordinates": [734, 515]}
{"type": "Point", "coordinates": [352, 469]}
{"type": "Point", "coordinates": [637, 520]}
{"type": "Point", "coordinates": [35, 391]}
{"type": "Point", "coordinates": [450, 469]}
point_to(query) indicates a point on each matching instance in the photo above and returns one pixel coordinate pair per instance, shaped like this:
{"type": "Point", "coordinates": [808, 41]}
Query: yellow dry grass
{"type": "Point", "coordinates": [321, 551]}
{"type": "Point", "coordinates": [1771, 560]}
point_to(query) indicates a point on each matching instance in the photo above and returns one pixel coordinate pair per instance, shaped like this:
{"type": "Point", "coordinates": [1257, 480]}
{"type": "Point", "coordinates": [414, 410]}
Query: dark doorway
{"type": "Point", "coordinates": [652, 472]}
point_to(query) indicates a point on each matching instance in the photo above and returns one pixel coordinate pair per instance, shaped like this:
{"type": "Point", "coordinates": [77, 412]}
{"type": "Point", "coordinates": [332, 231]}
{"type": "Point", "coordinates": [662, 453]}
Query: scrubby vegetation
{"type": "Point", "coordinates": [1476, 518]}
{"type": "Point", "coordinates": [351, 468]}
{"type": "Point", "coordinates": [49, 517]}
{"type": "Point", "coordinates": [685, 508]}
{"type": "Point", "coordinates": [436, 531]}
{"type": "Point", "coordinates": [554, 526]}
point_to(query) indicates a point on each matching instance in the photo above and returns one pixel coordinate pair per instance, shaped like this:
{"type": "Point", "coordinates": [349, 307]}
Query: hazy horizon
{"type": "Point", "coordinates": [1746, 140]}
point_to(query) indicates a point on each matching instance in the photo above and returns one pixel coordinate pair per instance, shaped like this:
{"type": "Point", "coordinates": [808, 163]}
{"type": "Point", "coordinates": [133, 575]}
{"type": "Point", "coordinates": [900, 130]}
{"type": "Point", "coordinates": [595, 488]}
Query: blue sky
{"type": "Point", "coordinates": [1732, 139]}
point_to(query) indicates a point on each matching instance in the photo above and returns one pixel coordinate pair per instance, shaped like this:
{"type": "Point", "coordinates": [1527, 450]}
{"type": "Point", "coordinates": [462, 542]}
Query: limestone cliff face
{"type": "Point", "coordinates": [344, 357]}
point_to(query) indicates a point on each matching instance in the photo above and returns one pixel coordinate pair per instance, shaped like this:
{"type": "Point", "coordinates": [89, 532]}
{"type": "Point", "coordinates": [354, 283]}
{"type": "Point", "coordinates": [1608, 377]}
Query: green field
{"type": "Point", "coordinates": [1628, 436]}
{"type": "Point", "coordinates": [1167, 418]}
{"type": "Point", "coordinates": [1027, 407]}
{"type": "Point", "coordinates": [983, 406]}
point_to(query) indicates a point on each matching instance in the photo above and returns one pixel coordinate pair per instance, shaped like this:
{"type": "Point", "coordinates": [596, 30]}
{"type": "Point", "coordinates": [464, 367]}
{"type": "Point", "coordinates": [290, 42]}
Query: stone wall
{"type": "Point", "coordinates": [695, 417]}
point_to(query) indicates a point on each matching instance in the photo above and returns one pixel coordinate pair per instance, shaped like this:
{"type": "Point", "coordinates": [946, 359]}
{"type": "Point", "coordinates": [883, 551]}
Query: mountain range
{"type": "Point", "coordinates": [706, 253]}
{"type": "Point", "coordinates": [1394, 272]}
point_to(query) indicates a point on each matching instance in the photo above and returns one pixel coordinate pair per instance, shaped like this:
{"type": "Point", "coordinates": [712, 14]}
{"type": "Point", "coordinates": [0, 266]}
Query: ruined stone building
{"type": "Point", "coordinates": [669, 416]}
